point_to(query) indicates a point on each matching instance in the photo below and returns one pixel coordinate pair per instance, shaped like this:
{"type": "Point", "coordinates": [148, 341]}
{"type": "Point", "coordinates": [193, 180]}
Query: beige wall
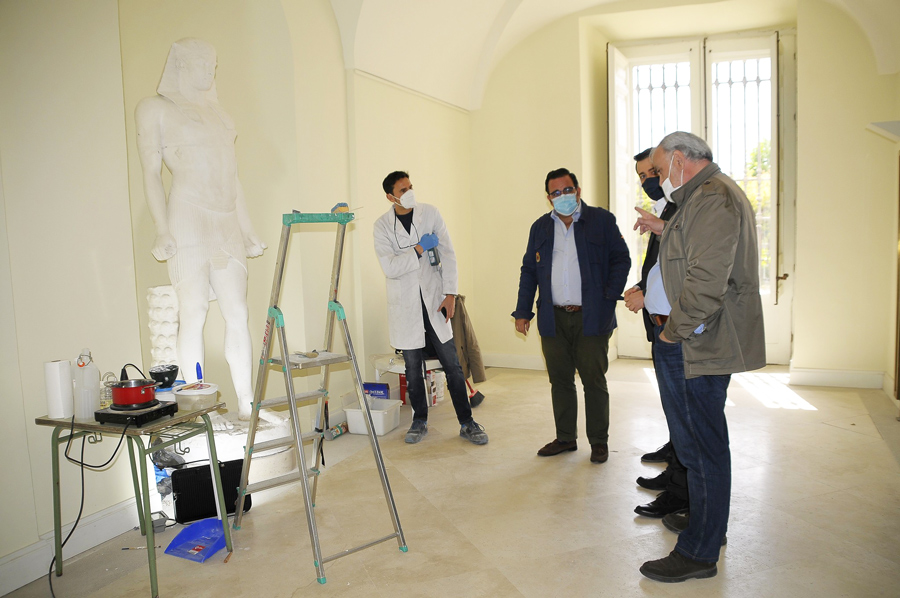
{"type": "Point", "coordinates": [396, 129]}
{"type": "Point", "coordinates": [529, 124]}
{"type": "Point", "coordinates": [69, 232]}
{"type": "Point", "coordinates": [74, 260]}
{"type": "Point", "coordinates": [67, 229]}
{"type": "Point", "coordinates": [256, 85]}
{"type": "Point", "coordinates": [846, 198]}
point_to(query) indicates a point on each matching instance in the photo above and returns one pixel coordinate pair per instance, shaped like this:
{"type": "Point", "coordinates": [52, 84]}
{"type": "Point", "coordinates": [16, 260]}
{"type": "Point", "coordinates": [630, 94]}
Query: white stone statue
{"type": "Point", "coordinates": [203, 232]}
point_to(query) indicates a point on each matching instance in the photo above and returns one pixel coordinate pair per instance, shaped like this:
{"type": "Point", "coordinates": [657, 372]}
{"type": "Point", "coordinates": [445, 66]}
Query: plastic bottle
{"type": "Point", "coordinates": [106, 390]}
{"type": "Point", "coordinates": [86, 378]}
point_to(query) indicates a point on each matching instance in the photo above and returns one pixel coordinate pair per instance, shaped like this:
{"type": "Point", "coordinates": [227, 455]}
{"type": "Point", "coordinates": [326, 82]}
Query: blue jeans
{"type": "Point", "coordinates": [695, 411]}
{"type": "Point", "coordinates": [415, 376]}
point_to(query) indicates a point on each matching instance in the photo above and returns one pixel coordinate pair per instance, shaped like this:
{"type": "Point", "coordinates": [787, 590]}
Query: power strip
{"type": "Point", "coordinates": [159, 523]}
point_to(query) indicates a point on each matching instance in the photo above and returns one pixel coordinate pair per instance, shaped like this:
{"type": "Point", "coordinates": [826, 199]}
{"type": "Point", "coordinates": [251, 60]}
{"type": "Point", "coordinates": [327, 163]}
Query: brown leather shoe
{"type": "Point", "coordinates": [599, 452]}
{"type": "Point", "coordinates": [556, 447]}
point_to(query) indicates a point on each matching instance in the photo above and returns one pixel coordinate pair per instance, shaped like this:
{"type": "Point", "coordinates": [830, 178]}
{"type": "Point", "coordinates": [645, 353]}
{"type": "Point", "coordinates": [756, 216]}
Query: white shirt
{"type": "Point", "coordinates": [655, 300]}
{"type": "Point", "coordinates": [565, 275]}
{"type": "Point", "coordinates": [658, 208]}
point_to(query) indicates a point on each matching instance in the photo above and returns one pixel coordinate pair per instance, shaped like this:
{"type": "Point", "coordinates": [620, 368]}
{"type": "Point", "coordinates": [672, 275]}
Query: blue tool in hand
{"type": "Point", "coordinates": [429, 241]}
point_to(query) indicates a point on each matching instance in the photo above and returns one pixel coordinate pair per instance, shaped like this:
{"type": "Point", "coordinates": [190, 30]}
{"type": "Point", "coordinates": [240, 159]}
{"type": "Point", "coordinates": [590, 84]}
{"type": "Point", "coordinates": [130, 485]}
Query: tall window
{"type": "Point", "coordinates": [725, 90]}
{"type": "Point", "coordinates": [741, 135]}
{"type": "Point", "coordinates": [662, 105]}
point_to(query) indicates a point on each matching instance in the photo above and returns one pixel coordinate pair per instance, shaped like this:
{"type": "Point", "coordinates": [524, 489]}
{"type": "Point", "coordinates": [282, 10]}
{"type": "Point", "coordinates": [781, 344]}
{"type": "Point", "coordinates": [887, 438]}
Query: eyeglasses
{"type": "Point", "coordinates": [557, 193]}
{"type": "Point", "coordinates": [413, 228]}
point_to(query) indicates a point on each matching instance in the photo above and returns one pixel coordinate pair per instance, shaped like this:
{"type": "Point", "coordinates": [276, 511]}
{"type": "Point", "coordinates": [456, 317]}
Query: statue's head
{"type": "Point", "coordinates": [191, 65]}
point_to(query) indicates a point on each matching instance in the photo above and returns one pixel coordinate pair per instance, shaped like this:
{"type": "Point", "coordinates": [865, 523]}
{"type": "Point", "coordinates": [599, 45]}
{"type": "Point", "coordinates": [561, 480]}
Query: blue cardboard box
{"type": "Point", "coordinates": [377, 390]}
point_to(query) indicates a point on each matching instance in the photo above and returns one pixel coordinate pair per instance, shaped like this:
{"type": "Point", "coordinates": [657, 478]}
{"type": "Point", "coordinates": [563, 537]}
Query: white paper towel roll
{"type": "Point", "coordinates": [58, 382]}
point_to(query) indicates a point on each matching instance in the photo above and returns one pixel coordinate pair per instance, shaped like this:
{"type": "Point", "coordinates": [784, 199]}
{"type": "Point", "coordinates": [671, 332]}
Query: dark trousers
{"type": "Point", "coordinates": [695, 410]}
{"type": "Point", "coordinates": [565, 353]}
{"type": "Point", "coordinates": [415, 375]}
{"type": "Point", "coordinates": [677, 485]}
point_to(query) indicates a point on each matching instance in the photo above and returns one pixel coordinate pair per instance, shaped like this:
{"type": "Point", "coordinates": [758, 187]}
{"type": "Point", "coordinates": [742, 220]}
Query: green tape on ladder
{"type": "Point", "coordinates": [338, 309]}
{"type": "Point", "coordinates": [299, 218]}
{"type": "Point", "coordinates": [275, 312]}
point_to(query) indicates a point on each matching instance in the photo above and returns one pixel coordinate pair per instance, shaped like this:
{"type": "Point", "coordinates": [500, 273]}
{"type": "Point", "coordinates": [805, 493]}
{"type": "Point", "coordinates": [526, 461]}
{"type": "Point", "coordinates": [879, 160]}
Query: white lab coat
{"type": "Point", "coordinates": [407, 275]}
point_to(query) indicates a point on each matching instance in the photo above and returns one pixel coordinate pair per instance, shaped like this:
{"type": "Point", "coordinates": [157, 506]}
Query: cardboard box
{"type": "Point", "coordinates": [377, 390]}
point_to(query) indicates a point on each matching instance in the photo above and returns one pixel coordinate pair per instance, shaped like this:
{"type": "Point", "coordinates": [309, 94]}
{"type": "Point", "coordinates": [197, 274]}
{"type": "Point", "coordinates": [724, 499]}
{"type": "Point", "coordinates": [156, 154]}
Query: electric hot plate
{"type": "Point", "coordinates": [136, 417]}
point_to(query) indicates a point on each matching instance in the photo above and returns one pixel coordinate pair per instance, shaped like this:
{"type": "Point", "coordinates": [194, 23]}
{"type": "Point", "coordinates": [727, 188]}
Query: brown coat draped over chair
{"type": "Point", "coordinates": [466, 344]}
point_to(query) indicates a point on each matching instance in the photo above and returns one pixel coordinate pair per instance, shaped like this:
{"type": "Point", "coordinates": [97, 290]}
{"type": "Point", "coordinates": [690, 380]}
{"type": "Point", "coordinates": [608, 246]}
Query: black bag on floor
{"type": "Point", "coordinates": [194, 494]}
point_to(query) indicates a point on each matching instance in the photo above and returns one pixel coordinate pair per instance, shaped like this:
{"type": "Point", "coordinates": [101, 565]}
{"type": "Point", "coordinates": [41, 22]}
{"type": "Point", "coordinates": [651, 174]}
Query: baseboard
{"type": "Point", "coordinates": [518, 362]}
{"type": "Point", "coordinates": [836, 378]}
{"type": "Point", "coordinates": [526, 362]}
{"type": "Point", "coordinates": [32, 562]}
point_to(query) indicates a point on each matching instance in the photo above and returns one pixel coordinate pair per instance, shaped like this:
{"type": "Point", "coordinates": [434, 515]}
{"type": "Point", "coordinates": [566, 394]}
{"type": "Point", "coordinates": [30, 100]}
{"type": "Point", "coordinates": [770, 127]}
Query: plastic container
{"type": "Point", "coordinates": [86, 380]}
{"type": "Point", "coordinates": [106, 391]}
{"type": "Point", "coordinates": [385, 416]}
{"type": "Point", "coordinates": [195, 396]}
{"type": "Point", "coordinates": [198, 541]}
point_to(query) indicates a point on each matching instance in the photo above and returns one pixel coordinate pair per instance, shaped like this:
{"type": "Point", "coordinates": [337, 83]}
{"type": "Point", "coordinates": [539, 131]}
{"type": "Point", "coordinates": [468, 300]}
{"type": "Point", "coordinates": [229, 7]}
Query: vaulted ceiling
{"type": "Point", "coordinates": [447, 49]}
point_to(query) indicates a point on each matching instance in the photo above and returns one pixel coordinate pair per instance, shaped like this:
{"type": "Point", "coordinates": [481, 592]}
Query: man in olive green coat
{"type": "Point", "coordinates": [709, 325]}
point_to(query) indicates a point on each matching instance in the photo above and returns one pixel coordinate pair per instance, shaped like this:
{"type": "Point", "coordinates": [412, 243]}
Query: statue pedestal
{"type": "Point", "coordinates": [230, 445]}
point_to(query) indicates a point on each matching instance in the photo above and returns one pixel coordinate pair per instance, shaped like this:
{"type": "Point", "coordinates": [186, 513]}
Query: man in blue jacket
{"type": "Point", "coordinates": [577, 258]}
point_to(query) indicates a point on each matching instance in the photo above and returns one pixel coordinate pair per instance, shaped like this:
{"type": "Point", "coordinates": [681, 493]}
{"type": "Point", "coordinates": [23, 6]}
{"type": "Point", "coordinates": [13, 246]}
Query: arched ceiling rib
{"type": "Point", "coordinates": [447, 49]}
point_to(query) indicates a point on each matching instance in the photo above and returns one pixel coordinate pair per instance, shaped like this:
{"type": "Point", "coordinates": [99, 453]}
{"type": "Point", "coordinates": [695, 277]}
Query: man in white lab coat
{"type": "Point", "coordinates": [415, 252]}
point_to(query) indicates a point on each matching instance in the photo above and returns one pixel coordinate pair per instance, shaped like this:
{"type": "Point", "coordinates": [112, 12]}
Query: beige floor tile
{"type": "Point", "coordinates": [814, 507]}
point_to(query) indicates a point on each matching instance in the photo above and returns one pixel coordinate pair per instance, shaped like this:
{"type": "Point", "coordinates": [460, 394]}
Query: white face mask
{"type": "Point", "coordinates": [407, 200]}
{"type": "Point", "coordinates": [667, 186]}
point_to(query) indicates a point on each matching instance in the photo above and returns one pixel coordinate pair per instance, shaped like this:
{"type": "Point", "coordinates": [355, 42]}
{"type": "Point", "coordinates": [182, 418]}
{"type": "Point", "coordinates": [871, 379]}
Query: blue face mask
{"type": "Point", "coordinates": [565, 205]}
{"type": "Point", "coordinates": [652, 189]}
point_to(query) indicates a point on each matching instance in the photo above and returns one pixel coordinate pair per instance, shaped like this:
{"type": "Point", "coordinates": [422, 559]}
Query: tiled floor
{"type": "Point", "coordinates": [814, 507]}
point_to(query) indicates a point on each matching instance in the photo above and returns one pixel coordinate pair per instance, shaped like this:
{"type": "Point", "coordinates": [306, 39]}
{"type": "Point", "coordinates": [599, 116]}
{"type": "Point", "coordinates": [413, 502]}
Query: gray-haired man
{"type": "Point", "coordinates": [710, 274]}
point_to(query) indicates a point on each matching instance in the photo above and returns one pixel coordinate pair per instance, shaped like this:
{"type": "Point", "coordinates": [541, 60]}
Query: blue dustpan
{"type": "Point", "coordinates": [198, 541]}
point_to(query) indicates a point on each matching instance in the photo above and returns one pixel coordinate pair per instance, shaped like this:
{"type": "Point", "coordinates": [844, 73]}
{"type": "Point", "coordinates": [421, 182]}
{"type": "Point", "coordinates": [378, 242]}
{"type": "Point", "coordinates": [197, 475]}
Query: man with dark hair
{"type": "Point", "coordinates": [577, 258]}
{"type": "Point", "coordinates": [421, 297]}
{"type": "Point", "coordinates": [709, 326]}
{"type": "Point", "coordinates": [672, 481]}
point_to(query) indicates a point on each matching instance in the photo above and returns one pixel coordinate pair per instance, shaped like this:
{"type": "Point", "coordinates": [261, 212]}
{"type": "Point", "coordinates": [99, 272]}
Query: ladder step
{"type": "Point", "coordinates": [278, 481]}
{"type": "Point", "coordinates": [302, 363]}
{"type": "Point", "coordinates": [301, 400]}
{"type": "Point", "coordinates": [280, 442]}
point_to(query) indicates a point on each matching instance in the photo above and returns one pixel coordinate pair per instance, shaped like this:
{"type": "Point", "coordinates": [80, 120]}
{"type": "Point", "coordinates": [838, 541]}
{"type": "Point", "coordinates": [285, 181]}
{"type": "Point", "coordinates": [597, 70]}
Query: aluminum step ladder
{"type": "Point", "coordinates": [287, 362]}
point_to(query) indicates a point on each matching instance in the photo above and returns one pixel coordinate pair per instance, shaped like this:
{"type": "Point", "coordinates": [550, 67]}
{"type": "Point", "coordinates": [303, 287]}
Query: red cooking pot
{"type": "Point", "coordinates": [133, 394]}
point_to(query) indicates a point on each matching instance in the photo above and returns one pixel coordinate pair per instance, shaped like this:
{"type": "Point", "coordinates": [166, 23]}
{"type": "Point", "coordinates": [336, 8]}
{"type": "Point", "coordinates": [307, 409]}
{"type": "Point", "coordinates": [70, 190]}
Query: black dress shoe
{"type": "Point", "coordinates": [599, 452]}
{"type": "Point", "coordinates": [676, 567]}
{"type": "Point", "coordinates": [658, 483]}
{"type": "Point", "coordinates": [678, 522]}
{"type": "Point", "coordinates": [659, 455]}
{"type": "Point", "coordinates": [664, 504]}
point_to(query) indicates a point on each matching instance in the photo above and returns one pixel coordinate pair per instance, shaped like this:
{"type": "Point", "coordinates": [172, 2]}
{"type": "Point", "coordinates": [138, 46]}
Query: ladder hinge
{"type": "Point", "coordinates": [338, 309]}
{"type": "Point", "coordinates": [275, 312]}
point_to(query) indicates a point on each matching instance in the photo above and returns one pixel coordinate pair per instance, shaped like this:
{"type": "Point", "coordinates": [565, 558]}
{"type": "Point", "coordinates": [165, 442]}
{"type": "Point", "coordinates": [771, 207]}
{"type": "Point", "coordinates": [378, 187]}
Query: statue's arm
{"type": "Point", "coordinates": [148, 118]}
{"type": "Point", "coordinates": [253, 245]}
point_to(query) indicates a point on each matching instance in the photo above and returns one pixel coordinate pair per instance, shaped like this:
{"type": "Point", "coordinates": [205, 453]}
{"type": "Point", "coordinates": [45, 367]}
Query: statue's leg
{"type": "Point", "coordinates": [230, 286]}
{"type": "Point", "coordinates": [193, 305]}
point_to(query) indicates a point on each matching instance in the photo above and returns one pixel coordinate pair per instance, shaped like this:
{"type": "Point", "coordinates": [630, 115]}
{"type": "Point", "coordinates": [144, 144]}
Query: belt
{"type": "Point", "coordinates": [658, 319]}
{"type": "Point", "coordinates": [568, 308]}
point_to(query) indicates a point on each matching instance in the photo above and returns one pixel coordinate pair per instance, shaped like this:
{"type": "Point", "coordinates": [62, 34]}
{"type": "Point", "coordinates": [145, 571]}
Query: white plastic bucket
{"type": "Point", "coordinates": [197, 395]}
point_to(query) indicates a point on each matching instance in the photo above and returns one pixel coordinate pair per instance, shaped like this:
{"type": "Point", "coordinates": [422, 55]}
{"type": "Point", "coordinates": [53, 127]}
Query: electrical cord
{"type": "Point", "coordinates": [82, 465]}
